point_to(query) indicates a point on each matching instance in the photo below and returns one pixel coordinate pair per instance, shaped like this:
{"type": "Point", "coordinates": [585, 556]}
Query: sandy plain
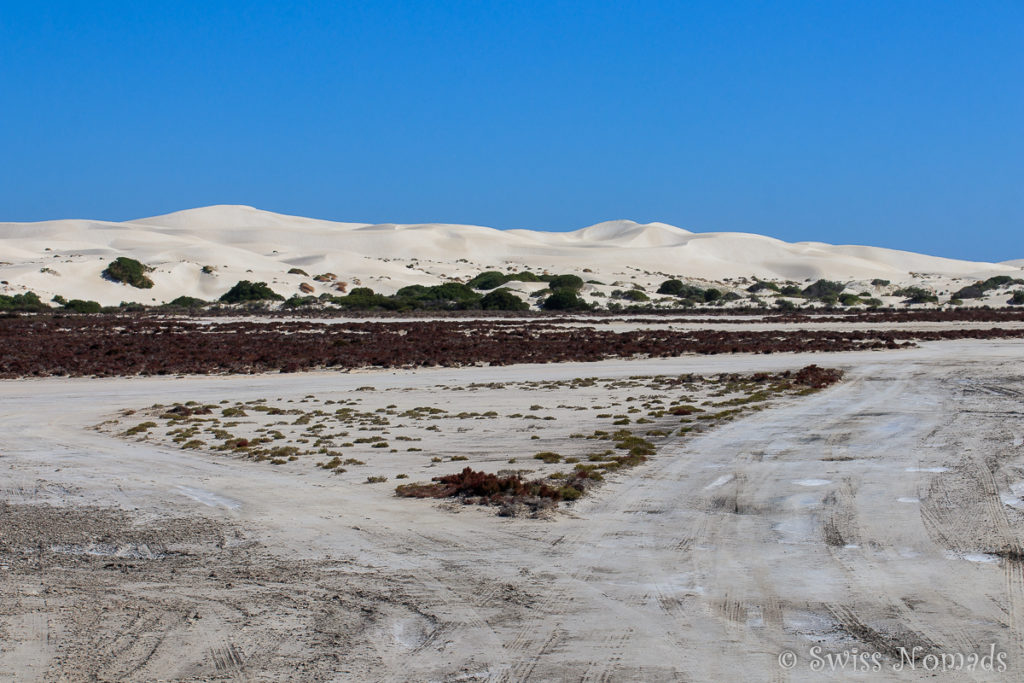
{"type": "Point", "coordinates": [883, 513]}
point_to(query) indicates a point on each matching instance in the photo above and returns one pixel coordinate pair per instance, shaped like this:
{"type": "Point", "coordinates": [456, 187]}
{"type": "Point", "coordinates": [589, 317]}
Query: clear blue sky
{"type": "Point", "coordinates": [893, 123]}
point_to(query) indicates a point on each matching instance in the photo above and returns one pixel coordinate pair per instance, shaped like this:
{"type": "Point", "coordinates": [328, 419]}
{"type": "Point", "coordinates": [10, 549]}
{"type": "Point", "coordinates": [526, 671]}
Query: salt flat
{"type": "Point", "coordinates": [880, 513]}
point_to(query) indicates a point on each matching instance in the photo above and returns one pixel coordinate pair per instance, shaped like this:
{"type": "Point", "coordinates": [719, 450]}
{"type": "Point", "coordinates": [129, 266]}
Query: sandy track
{"type": "Point", "coordinates": [882, 513]}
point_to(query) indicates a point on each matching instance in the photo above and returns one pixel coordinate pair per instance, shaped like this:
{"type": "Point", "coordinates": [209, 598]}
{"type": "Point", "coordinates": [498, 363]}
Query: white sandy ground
{"type": "Point", "coordinates": [696, 322]}
{"type": "Point", "coordinates": [866, 516]}
{"type": "Point", "coordinates": [66, 257]}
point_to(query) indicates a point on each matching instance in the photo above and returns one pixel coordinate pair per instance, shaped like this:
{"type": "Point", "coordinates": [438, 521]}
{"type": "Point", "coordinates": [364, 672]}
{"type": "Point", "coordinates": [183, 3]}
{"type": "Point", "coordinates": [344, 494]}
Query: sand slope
{"type": "Point", "coordinates": [66, 257]}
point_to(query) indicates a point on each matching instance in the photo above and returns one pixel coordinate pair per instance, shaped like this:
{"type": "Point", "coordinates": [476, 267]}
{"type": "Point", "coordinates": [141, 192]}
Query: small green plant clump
{"type": "Point", "coordinates": [564, 300]}
{"type": "Point", "coordinates": [492, 278]}
{"type": "Point", "coordinates": [140, 428]}
{"type": "Point", "coordinates": [28, 302]}
{"type": "Point", "coordinates": [825, 290]}
{"type": "Point", "coordinates": [80, 306]}
{"type": "Point", "coordinates": [503, 300]}
{"type": "Point", "coordinates": [573, 283]}
{"type": "Point", "coordinates": [917, 295]}
{"type": "Point", "coordinates": [129, 271]}
{"type": "Point", "coordinates": [245, 290]}
{"type": "Point", "coordinates": [186, 302]}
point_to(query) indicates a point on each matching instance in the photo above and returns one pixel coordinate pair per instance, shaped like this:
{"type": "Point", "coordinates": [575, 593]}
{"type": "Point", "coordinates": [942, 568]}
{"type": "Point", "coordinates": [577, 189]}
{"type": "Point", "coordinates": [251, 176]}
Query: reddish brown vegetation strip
{"type": "Point", "coordinates": [108, 346]}
{"type": "Point", "coordinates": [489, 487]}
{"type": "Point", "coordinates": [817, 378]}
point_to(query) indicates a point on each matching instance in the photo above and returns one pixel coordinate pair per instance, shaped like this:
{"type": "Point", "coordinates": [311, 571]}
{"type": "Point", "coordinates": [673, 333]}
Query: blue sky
{"type": "Point", "coordinates": [890, 123]}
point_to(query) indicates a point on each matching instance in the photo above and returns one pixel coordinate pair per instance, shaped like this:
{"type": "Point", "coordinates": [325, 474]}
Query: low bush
{"type": "Point", "coordinates": [129, 271]}
{"type": "Point", "coordinates": [488, 280]}
{"type": "Point", "coordinates": [28, 302]}
{"type": "Point", "coordinates": [673, 287]}
{"type": "Point", "coordinates": [245, 290]}
{"type": "Point", "coordinates": [630, 295]}
{"type": "Point", "coordinates": [564, 300]}
{"type": "Point", "coordinates": [712, 294]}
{"type": "Point", "coordinates": [186, 302]}
{"type": "Point", "coordinates": [969, 292]}
{"type": "Point", "coordinates": [296, 301]}
{"type": "Point", "coordinates": [80, 306]}
{"type": "Point", "coordinates": [503, 300]}
{"type": "Point", "coordinates": [761, 285]}
{"type": "Point", "coordinates": [573, 283]}
{"type": "Point", "coordinates": [917, 295]}
{"type": "Point", "coordinates": [823, 288]}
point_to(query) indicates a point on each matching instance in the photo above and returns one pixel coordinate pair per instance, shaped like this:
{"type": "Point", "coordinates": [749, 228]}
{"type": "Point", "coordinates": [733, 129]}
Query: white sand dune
{"type": "Point", "coordinates": [66, 257]}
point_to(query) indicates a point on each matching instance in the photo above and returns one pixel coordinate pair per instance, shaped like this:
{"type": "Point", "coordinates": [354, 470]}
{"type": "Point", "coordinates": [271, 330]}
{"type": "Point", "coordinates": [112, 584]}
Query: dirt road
{"type": "Point", "coordinates": [881, 514]}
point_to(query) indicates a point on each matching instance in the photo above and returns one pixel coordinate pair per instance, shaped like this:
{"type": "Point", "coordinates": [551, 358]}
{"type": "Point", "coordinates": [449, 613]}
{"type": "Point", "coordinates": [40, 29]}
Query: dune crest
{"type": "Point", "coordinates": [202, 252]}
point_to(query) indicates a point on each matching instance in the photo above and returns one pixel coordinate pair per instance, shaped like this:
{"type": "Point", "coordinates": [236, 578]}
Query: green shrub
{"type": "Point", "coordinates": [1017, 299]}
{"type": "Point", "coordinates": [296, 301]}
{"type": "Point", "coordinates": [569, 493]}
{"type": "Point", "coordinates": [186, 302]}
{"type": "Point", "coordinates": [297, 271]}
{"type": "Point", "coordinates": [761, 285]}
{"type": "Point", "coordinates": [448, 292]}
{"type": "Point", "coordinates": [969, 292]}
{"type": "Point", "coordinates": [999, 281]}
{"type": "Point", "coordinates": [80, 306]}
{"type": "Point", "coordinates": [27, 302]}
{"type": "Point", "coordinates": [978, 289]}
{"type": "Point", "coordinates": [364, 298]}
{"type": "Point", "coordinates": [917, 295]}
{"type": "Point", "coordinates": [880, 283]}
{"type": "Point", "coordinates": [572, 283]}
{"type": "Point", "coordinates": [250, 291]}
{"type": "Point", "coordinates": [564, 300]}
{"type": "Point", "coordinates": [129, 271]}
{"type": "Point", "coordinates": [673, 287]}
{"type": "Point", "coordinates": [525, 276]}
{"type": "Point", "coordinates": [488, 280]}
{"type": "Point", "coordinates": [630, 295]}
{"type": "Point", "coordinates": [822, 289]}
{"type": "Point", "coordinates": [503, 300]}
{"type": "Point", "coordinates": [140, 428]}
